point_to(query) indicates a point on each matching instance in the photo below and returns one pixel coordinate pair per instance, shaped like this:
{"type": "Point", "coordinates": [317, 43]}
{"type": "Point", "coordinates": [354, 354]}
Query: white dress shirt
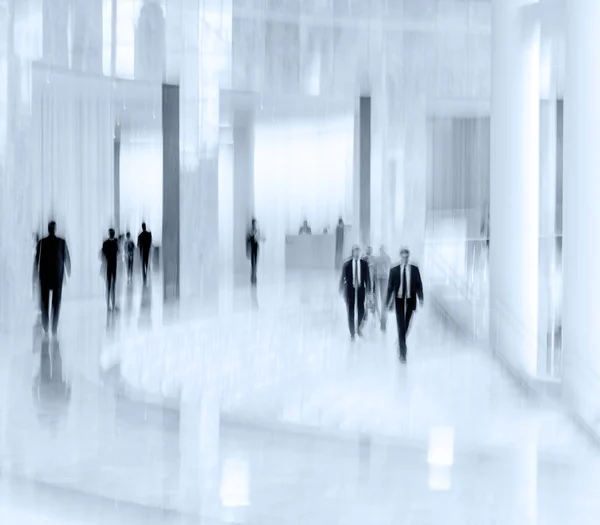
{"type": "Point", "coordinates": [355, 273]}
{"type": "Point", "coordinates": [407, 281]}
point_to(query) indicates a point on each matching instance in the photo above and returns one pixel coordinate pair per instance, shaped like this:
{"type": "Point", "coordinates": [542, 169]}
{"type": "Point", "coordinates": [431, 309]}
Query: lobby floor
{"type": "Point", "coordinates": [258, 409]}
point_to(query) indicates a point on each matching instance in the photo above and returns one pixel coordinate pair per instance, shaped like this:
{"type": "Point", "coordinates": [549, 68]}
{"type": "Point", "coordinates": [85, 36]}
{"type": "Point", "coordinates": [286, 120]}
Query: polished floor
{"type": "Point", "coordinates": [257, 409]}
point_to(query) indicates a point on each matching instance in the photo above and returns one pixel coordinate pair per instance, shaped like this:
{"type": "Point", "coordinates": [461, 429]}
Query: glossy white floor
{"type": "Point", "coordinates": [259, 410]}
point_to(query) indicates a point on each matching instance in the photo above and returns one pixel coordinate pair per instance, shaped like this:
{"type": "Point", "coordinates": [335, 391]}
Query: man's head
{"type": "Point", "coordinates": [254, 223]}
{"type": "Point", "coordinates": [355, 251]}
{"type": "Point", "coordinates": [382, 250]}
{"type": "Point", "coordinates": [111, 233]}
{"type": "Point", "coordinates": [128, 235]}
{"type": "Point", "coordinates": [52, 228]}
{"type": "Point", "coordinates": [143, 226]}
{"type": "Point", "coordinates": [369, 250]}
{"type": "Point", "coordinates": [404, 256]}
{"type": "Point", "coordinates": [340, 221]}
{"type": "Point", "coordinates": [305, 223]}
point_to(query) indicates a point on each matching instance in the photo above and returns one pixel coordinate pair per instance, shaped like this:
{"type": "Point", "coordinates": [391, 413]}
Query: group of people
{"type": "Point", "coordinates": [110, 255]}
{"type": "Point", "coordinates": [371, 279]}
{"type": "Point", "coordinates": [52, 260]}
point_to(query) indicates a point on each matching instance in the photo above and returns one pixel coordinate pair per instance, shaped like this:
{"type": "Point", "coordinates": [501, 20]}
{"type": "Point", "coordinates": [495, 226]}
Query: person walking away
{"type": "Point", "coordinates": [145, 247]}
{"type": "Point", "coordinates": [52, 260]}
{"type": "Point", "coordinates": [110, 254]}
{"type": "Point", "coordinates": [129, 254]}
{"type": "Point", "coordinates": [253, 240]}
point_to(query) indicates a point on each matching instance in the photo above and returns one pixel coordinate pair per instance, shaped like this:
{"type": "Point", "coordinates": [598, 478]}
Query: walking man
{"type": "Point", "coordinates": [353, 285]}
{"type": "Point", "coordinates": [404, 288]}
{"type": "Point", "coordinates": [110, 254]}
{"type": "Point", "coordinates": [51, 260]}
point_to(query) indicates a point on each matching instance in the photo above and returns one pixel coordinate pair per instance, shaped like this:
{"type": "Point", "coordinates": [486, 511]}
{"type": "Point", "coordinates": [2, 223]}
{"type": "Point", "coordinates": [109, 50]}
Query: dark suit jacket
{"type": "Point", "coordinates": [347, 281]}
{"type": "Point", "coordinates": [145, 243]}
{"type": "Point", "coordinates": [415, 285]}
{"type": "Point", "coordinates": [51, 260]}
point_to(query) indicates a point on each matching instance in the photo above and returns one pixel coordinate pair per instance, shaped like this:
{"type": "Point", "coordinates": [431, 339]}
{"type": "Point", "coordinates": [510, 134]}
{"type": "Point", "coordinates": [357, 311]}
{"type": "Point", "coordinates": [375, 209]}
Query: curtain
{"type": "Point", "coordinates": [72, 152]}
{"type": "Point", "coordinates": [458, 171]}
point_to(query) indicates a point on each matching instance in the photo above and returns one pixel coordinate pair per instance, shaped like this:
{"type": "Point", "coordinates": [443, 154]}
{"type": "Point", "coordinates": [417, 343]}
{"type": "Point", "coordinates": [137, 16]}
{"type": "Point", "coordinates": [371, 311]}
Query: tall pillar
{"type": "Point", "coordinates": [243, 186]}
{"type": "Point", "coordinates": [171, 192]}
{"type": "Point", "coordinates": [581, 211]}
{"type": "Point", "coordinates": [514, 183]}
{"type": "Point", "coordinates": [364, 169]}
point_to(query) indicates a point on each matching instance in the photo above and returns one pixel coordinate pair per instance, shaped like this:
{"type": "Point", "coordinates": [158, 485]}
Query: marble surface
{"type": "Point", "coordinates": [259, 410]}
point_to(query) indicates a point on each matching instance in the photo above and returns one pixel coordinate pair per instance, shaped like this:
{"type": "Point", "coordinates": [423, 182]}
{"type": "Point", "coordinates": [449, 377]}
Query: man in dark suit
{"type": "Point", "coordinates": [353, 284]}
{"type": "Point", "coordinates": [51, 260]}
{"type": "Point", "coordinates": [404, 288]}
{"type": "Point", "coordinates": [110, 254]}
{"type": "Point", "coordinates": [145, 246]}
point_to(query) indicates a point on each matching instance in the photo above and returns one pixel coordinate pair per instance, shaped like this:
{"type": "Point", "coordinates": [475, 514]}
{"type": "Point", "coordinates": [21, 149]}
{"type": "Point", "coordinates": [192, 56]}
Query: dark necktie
{"type": "Point", "coordinates": [403, 292]}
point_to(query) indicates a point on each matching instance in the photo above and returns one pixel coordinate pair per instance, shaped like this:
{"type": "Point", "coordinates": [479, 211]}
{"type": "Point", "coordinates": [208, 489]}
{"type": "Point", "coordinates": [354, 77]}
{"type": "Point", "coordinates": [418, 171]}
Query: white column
{"type": "Point", "coordinates": [514, 183]}
{"type": "Point", "coordinates": [581, 211]}
{"type": "Point", "coordinates": [243, 187]}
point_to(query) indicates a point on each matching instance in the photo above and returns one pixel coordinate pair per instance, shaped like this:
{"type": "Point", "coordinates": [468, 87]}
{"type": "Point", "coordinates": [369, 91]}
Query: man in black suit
{"type": "Point", "coordinates": [145, 246]}
{"type": "Point", "coordinates": [353, 284]}
{"type": "Point", "coordinates": [110, 254]}
{"type": "Point", "coordinates": [51, 260]}
{"type": "Point", "coordinates": [404, 288]}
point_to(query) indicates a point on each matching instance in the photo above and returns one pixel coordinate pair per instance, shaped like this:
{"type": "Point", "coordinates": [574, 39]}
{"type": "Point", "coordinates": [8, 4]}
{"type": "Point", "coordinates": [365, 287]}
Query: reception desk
{"type": "Point", "coordinates": [313, 252]}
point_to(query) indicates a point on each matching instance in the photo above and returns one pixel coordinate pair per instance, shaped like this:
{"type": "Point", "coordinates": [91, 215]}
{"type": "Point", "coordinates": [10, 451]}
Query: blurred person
{"type": "Point", "coordinates": [305, 229]}
{"type": "Point", "coordinates": [382, 271]}
{"type": "Point", "coordinates": [36, 292]}
{"type": "Point", "coordinates": [354, 283]}
{"type": "Point", "coordinates": [339, 243]}
{"type": "Point", "coordinates": [404, 288]}
{"type": "Point", "coordinates": [372, 306]}
{"type": "Point", "coordinates": [129, 250]}
{"type": "Point", "coordinates": [145, 247]}
{"type": "Point", "coordinates": [253, 240]}
{"type": "Point", "coordinates": [110, 255]}
{"type": "Point", "coordinates": [52, 259]}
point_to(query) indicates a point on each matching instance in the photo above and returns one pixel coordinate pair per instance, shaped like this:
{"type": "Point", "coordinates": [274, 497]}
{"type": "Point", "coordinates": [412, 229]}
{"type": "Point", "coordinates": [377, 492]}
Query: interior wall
{"type": "Point", "coordinates": [72, 147]}
{"type": "Point", "coordinates": [458, 171]}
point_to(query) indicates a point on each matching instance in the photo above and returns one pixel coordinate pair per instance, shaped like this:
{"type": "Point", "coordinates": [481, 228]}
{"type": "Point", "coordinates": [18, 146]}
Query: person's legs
{"type": "Point", "coordinates": [129, 268]}
{"type": "Point", "coordinates": [145, 260]}
{"type": "Point", "coordinates": [382, 289]}
{"type": "Point", "coordinates": [45, 305]}
{"type": "Point", "coordinates": [114, 288]}
{"type": "Point", "coordinates": [253, 263]}
{"type": "Point", "coordinates": [401, 322]}
{"type": "Point", "coordinates": [56, 300]}
{"type": "Point", "coordinates": [360, 296]}
{"type": "Point", "coordinates": [111, 277]}
{"type": "Point", "coordinates": [350, 301]}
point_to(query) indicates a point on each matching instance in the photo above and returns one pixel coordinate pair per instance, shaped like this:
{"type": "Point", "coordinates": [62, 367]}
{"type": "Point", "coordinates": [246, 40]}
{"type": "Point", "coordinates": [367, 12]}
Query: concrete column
{"type": "Point", "coordinates": [581, 212]}
{"type": "Point", "coordinates": [364, 171]}
{"type": "Point", "coordinates": [171, 192]}
{"type": "Point", "coordinates": [514, 183]}
{"type": "Point", "coordinates": [243, 187]}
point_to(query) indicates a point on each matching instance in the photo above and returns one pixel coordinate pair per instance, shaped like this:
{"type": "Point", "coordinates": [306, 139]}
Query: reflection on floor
{"type": "Point", "coordinates": [259, 410]}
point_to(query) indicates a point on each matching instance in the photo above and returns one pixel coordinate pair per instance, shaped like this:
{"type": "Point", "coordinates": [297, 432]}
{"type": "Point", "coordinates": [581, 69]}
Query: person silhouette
{"type": "Point", "coordinates": [145, 247]}
{"type": "Point", "coordinates": [110, 254]}
{"type": "Point", "coordinates": [52, 259]}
